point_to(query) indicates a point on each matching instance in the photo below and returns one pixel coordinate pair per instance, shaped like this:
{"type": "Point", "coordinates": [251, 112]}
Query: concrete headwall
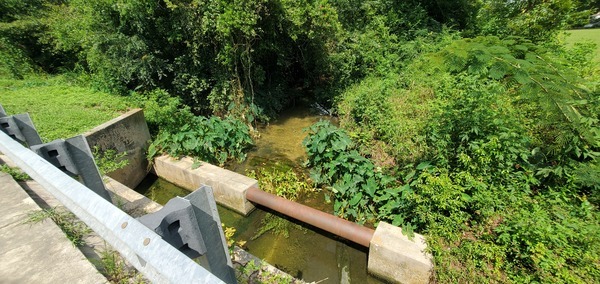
{"type": "Point", "coordinates": [126, 133]}
{"type": "Point", "coordinates": [228, 187]}
{"type": "Point", "coordinates": [398, 259]}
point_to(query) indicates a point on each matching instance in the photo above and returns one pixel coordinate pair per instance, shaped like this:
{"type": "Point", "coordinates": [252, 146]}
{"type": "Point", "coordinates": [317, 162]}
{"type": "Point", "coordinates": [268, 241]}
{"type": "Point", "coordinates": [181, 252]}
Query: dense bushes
{"type": "Point", "coordinates": [505, 135]}
{"type": "Point", "coordinates": [211, 139]}
{"type": "Point", "coordinates": [220, 57]}
{"type": "Point", "coordinates": [178, 132]}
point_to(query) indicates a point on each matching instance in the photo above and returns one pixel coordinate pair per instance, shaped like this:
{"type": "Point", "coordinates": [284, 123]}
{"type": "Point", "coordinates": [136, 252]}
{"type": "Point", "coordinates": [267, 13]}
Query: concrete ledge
{"type": "Point", "coordinates": [229, 188]}
{"type": "Point", "coordinates": [396, 258]}
{"type": "Point", "coordinates": [129, 200]}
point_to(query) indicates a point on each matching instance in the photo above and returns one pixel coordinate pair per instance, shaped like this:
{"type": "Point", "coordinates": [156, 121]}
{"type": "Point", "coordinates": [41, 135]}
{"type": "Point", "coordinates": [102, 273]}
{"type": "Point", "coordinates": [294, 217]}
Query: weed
{"type": "Point", "coordinates": [66, 221]}
{"type": "Point", "coordinates": [258, 272]}
{"type": "Point", "coordinates": [116, 270]}
{"type": "Point", "coordinates": [109, 160]}
{"type": "Point", "coordinates": [231, 243]}
{"type": "Point", "coordinates": [283, 181]}
{"type": "Point", "coordinates": [16, 173]}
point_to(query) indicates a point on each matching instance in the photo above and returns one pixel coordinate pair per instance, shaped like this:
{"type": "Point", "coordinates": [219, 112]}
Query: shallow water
{"type": "Point", "coordinates": [311, 255]}
{"type": "Point", "coordinates": [281, 140]}
{"type": "Point", "coordinates": [306, 253]}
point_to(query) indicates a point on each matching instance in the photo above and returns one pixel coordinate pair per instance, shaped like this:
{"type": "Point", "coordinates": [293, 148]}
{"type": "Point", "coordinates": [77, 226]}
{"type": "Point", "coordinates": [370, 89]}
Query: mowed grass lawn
{"type": "Point", "coordinates": [593, 35]}
{"type": "Point", "coordinates": [59, 107]}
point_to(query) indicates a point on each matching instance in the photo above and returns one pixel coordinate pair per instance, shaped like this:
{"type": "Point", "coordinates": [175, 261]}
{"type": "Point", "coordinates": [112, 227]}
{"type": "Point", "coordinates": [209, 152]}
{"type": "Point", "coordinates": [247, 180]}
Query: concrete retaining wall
{"type": "Point", "coordinates": [229, 187]}
{"type": "Point", "coordinates": [126, 133]}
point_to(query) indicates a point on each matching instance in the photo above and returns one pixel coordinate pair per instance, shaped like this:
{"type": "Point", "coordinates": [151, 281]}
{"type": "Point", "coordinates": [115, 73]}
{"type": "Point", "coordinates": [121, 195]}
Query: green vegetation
{"type": "Point", "coordinates": [109, 161]}
{"type": "Point", "coordinates": [231, 243]}
{"type": "Point", "coordinates": [362, 192]}
{"type": "Point", "coordinates": [59, 106]}
{"type": "Point", "coordinates": [467, 121]}
{"type": "Point", "coordinates": [283, 181]}
{"type": "Point", "coordinates": [504, 136]}
{"type": "Point", "coordinates": [212, 139]}
{"type": "Point", "coordinates": [74, 229]}
{"type": "Point", "coordinates": [574, 37]}
{"type": "Point", "coordinates": [257, 272]}
{"type": "Point", "coordinates": [114, 268]}
{"type": "Point", "coordinates": [16, 173]}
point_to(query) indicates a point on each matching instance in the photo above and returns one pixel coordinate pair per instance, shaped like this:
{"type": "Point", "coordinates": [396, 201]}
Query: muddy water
{"type": "Point", "coordinates": [307, 253]}
{"type": "Point", "coordinates": [281, 140]}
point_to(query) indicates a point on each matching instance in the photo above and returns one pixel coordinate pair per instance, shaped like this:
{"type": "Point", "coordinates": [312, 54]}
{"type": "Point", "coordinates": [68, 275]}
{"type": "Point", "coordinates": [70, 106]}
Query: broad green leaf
{"type": "Point", "coordinates": [424, 165]}
{"type": "Point", "coordinates": [357, 197]}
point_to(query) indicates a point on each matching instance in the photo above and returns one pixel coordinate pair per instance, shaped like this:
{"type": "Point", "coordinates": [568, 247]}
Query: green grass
{"type": "Point", "coordinates": [66, 221]}
{"type": "Point", "coordinates": [16, 173]}
{"type": "Point", "coordinates": [593, 35]}
{"type": "Point", "coordinates": [58, 106]}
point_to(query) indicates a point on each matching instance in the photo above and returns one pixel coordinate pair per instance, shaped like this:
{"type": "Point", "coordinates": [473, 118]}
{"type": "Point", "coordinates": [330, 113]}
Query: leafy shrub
{"type": "Point", "coordinates": [361, 191]}
{"type": "Point", "coordinates": [211, 139]}
{"type": "Point", "coordinates": [162, 111]}
{"type": "Point", "coordinates": [14, 63]}
{"type": "Point", "coordinates": [536, 20]}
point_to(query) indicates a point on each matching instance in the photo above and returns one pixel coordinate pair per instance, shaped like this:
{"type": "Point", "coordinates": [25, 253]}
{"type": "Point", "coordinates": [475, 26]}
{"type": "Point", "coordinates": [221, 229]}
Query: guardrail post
{"type": "Point", "coordinates": [74, 157]}
{"type": "Point", "coordinates": [20, 127]}
{"type": "Point", "coordinates": [192, 225]}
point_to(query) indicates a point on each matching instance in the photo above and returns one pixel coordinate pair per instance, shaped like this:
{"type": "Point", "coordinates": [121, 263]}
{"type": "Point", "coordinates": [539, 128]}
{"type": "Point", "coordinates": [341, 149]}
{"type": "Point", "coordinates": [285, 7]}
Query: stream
{"type": "Point", "coordinates": [306, 253]}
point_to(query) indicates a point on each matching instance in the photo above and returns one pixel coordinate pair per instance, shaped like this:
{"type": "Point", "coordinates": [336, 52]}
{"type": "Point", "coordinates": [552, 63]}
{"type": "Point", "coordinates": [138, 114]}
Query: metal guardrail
{"type": "Point", "coordinates": [144, 249]}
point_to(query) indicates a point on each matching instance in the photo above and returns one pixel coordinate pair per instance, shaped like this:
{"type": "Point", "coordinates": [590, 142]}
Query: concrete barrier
{"type": "Point", "coordinates": [229, 187]}
{"type": "Point", "coordinates": [126, 133]}
{"type": "Point", "coordinates": [395, 258]}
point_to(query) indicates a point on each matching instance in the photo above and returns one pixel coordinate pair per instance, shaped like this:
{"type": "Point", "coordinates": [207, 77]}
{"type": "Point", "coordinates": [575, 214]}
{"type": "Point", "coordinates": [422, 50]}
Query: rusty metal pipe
{"type": "Point", "coordinates": [335, 225]}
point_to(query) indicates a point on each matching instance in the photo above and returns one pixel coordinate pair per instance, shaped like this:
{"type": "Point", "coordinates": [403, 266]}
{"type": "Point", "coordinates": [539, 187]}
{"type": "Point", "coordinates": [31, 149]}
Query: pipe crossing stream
{"type": "Point", "coordinates": [327, 222]}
